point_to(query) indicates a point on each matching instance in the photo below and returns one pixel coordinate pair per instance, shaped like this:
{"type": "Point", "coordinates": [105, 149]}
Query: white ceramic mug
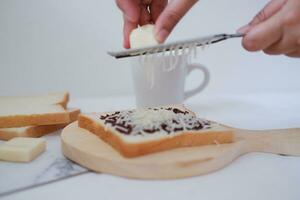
{"type": "Point", "coordinates": [157, 83]}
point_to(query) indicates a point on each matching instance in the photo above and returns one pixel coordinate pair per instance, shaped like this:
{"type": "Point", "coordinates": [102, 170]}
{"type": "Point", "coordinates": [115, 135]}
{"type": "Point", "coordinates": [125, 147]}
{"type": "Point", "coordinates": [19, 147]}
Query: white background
{"type": "Point", "coordinates": [55, 45]}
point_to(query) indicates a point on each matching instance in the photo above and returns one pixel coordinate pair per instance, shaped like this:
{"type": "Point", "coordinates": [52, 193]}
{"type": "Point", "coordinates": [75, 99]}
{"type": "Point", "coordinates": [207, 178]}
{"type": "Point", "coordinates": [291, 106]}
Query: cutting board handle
{"type": "Point", "coordinates": [280, 141]}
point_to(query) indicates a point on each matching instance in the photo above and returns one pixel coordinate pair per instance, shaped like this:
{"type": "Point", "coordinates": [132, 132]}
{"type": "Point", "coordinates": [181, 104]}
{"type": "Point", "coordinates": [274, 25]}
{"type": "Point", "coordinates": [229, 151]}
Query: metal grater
{"type": "Point", "coordinates": [202, 41]}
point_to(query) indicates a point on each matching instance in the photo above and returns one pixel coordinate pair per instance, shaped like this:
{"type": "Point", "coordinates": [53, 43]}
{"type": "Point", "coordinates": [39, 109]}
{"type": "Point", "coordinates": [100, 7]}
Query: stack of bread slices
{"type": "Point", "coordinates": [35, 116]}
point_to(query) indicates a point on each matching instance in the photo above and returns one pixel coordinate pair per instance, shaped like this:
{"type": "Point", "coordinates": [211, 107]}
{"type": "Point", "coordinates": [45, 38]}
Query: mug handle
{"type": "Point", "coordinates": [204, 83]}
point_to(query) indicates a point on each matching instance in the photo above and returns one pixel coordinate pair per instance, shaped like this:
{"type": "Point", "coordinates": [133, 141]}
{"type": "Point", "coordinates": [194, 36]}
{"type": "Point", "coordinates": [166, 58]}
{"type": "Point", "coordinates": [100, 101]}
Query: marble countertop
{"type": "Point", "coordinates": [252, 176]}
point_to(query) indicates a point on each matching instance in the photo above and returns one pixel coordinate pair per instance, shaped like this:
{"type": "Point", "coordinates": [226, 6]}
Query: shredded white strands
{"type": "Point", "coordinates": [168, 60]}
{"type": "Point", "coordinates": [176, 55]}
{"type": "Point", "coordinates": [183, 50]}
{"type": "Point", "coordinates": [150, 62]}
{"type": "Point", "coordinates": [142, 58]}
{"type": "Point", "coordinates": [190, 52]}
{"type": "Point", "coordinates": [203, 46]}
{"type": "Point", "coordinates": [172, 60]}
{"type": "Point", "coordinates": [161, 62]}
{"type": "Point", "coordinates": [167, 65]}
{"type": "Point", "coordinates": [145, 63]}
{"type": "Point", "coordinates": [195, 50]}
{"type": "Point", "coordinates": [176, 51]}
{"type": "Point", "coordinates": [150, 65]}
{"type": "Point", "coordinates": [187, 51]}
{"type": "Point", "coordinates": [190, 48]}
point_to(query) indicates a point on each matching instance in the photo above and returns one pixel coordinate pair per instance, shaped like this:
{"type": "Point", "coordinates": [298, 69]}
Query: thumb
{"type": "Point", "coordinates": [171, 15]}
{"type": "Point", "coordinates": [268, 11]}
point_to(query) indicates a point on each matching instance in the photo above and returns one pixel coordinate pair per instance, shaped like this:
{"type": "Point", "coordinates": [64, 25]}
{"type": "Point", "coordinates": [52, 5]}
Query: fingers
{"type": "Point", "coordinates": [156, 8]}
{"type": "Point", "coordinates": [127, 28]}
{"type": "Point", "coordinates": [281, 47]}
{"type": "Point", "coordinates": [256, 39]}
{"type": "Point", "coordinates": [130, 9]}
{"type": "Point", "coordinates": [287, 44]}
{"type": "Point", "coordinates": [263, 35]}
{"type": "Point", "coordinates": [170, 16]}
{"type": "Point", "coordinates": [294, 54]}
{"type": "Point", "coordinates": [265, 28]}
{"type": "Point", "coordinates": [165, 15]}
{"type": "Point", "coordinates": [278, 34]}
{"type": "Point", "coordinates": [268, 11]}
{"type": "Point", "coordinates": [131, 14]}
{"type": "Point", "coordinates": [145, 17]}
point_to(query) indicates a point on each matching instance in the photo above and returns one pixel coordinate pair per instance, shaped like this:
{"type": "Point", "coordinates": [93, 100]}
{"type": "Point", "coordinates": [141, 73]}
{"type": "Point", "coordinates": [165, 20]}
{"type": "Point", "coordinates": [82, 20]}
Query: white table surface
{"type": "Point", "coordinates": [252, 176]}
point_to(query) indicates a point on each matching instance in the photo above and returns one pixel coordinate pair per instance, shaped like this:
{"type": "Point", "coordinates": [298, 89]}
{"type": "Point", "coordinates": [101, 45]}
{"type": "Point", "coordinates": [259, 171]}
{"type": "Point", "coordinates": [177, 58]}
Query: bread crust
{"type": "Point", "coordinates": [60, 117]}
{"type": "Point", "coordinates": [40, 130]}
{"type": "Point", "coordinates": [35, 119]}
{"type": "Point", "coordinates": [188, 139]}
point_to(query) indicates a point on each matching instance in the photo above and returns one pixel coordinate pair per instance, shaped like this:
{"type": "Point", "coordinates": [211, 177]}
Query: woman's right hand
{"type": "Point", "coordinates": [275, 29]}
{"type": "Point", "coordinates": [165, 15]}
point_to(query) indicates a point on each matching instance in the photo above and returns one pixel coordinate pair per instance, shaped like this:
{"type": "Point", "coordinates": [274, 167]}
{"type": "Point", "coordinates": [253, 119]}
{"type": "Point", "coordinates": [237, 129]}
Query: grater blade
{"type": "Point", "coordinates": [200, 41]}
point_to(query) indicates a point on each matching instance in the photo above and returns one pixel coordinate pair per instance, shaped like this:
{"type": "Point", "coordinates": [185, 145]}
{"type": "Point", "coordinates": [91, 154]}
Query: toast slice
{"type": "Point", "coordinates": [34, 110]}
{"type": "Point", "coordinates": [61, 98]}
{"type": "Point", "coordinates": [142, 131]}
{"type": "Point", "coordinates": [37, 131]}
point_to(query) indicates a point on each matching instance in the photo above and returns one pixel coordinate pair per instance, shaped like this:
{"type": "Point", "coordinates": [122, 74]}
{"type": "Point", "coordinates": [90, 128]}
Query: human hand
{"type": "Point", "coordinates": [165, 15]}
{"type": "Point", "coordinates": [275, 30]}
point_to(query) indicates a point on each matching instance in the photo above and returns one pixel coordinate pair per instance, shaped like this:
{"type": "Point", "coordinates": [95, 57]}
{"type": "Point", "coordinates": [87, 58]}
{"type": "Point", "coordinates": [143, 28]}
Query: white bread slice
{"type": "Point", "coordinates": [145, 131]}
{"type": "Point", "coordinates": [37, 131]}
{"type": "Point", "coordinates": [34, 110]}
{"type": "Point", "coordinates": [61, 98]}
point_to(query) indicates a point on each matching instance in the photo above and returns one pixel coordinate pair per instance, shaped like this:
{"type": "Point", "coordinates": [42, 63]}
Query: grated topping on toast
{"type": "Point", "coordinates": [153, 120]}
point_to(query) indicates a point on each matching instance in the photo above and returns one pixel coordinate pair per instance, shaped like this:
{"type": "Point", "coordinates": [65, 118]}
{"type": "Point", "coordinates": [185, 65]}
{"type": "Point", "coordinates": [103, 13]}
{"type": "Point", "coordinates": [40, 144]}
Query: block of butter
{"type": "Point", "coordinates": [142, 36]}
{"type": "Point", "coordinates": [22, 149]}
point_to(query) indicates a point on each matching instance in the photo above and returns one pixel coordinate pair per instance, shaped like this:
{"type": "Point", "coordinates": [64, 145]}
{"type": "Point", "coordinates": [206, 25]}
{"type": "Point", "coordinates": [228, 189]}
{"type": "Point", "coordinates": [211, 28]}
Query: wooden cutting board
{"type": "Point", "coordinates": [88, 150]}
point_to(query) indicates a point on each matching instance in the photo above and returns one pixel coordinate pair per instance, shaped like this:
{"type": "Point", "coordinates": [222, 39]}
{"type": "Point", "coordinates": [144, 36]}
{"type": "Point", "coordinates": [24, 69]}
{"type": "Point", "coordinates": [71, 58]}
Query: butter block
{"type": "Point", "coordinates": [22, 149]}
{"type": "Point", "coordinates": [143, 36]}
